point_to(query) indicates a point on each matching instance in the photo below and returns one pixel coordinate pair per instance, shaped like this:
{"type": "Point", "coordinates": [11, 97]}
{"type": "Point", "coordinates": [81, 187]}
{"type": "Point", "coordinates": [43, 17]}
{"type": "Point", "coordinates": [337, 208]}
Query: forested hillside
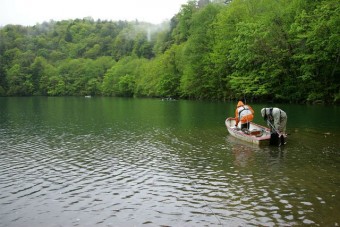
{"type": "Point", "coordinates": [282, 51]}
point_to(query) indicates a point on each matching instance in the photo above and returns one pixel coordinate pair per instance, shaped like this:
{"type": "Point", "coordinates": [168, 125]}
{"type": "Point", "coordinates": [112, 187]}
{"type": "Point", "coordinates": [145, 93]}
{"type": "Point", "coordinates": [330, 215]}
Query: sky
{"type": "Point", "coordinates": [31, 12]}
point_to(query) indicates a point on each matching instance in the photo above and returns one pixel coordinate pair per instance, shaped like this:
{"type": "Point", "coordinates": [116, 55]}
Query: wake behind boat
{"type": "Point", "coordinates": [256, 134]}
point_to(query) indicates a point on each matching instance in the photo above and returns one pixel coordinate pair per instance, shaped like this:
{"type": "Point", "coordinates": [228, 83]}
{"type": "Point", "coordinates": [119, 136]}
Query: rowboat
{"type": "Point", "coordinates": [256, 134]}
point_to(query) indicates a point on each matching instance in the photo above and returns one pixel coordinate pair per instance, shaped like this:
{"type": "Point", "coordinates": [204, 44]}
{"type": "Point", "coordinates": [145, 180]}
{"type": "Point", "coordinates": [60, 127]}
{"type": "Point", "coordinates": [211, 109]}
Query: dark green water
{"type": "Point", "coordinates": [145, 162]}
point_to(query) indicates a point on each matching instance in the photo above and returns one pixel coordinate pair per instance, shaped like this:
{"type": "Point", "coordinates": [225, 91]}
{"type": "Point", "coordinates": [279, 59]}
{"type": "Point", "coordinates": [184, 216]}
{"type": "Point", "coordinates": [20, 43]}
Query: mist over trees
{"type": "Point", "coordinates": [282, 51]}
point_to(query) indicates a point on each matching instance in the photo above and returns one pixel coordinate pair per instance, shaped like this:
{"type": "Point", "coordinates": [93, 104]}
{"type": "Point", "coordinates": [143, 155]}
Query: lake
{"type": "Point", "coordinates": [73, 161]}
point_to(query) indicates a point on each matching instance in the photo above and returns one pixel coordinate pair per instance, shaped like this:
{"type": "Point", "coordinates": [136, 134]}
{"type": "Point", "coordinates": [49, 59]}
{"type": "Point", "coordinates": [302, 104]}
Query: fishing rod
{"type": "Point", "coordinates": [273, 127]}
{"type": "Point", "coordinates": [280, 137]}
{"type": "Point", "coordinates": [277, 130]}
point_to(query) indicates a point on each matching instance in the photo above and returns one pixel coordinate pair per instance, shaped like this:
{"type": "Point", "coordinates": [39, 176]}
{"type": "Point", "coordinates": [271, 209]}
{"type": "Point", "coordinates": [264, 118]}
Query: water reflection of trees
{"type": "Point", "coordinates": [243, 152]}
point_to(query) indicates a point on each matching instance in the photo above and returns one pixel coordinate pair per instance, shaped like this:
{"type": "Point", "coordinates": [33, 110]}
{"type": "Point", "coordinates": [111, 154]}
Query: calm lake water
{"type": "Point", "coordinates": [147, 162]}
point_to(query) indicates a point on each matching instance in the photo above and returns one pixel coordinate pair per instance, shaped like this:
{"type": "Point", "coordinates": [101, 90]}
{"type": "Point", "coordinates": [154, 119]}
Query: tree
{"type": "Point", "coordinates": [36, 70]}
{"type": "Point", "coordinates": [197, 81]}
{"type": "Point", "coordinates": [142, 46]}
{"type": "Point", "coordinates": [45, 83]}
{"type": "Point", "coordinates": [316, 40]}
{"type": "Point", "coordinates": [19, 82]}
{"type": "Point", "coordinates": [263, 49]}
{"type": "Point", "coordinates": [181, 33]}
{"type": "Point", "coordinates": [123, 44]}
{"type": "Point", "coordinates": [120, 79]}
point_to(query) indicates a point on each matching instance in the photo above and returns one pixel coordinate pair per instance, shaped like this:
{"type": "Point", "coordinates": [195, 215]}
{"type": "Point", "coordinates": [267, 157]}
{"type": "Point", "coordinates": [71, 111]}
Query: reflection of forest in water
{"type": "Point", "coordinates": [243, 155]}
{"type": "Point", "coordinates": [165, 162]}
{"type": "Point", "coordinates": [243, 152]}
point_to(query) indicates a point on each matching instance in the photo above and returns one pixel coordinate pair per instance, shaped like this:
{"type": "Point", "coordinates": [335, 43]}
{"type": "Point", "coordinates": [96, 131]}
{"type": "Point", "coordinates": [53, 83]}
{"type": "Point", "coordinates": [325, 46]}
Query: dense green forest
{"type": "Point", "coordinates": [264, 50]}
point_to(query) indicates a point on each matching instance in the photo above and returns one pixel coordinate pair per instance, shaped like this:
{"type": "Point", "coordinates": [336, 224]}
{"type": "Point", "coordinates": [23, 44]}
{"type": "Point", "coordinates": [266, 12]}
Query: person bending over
{"type": "Point", "coordinates": [243, 114]}
{"type": "Point", "coordinates": [275, 118]}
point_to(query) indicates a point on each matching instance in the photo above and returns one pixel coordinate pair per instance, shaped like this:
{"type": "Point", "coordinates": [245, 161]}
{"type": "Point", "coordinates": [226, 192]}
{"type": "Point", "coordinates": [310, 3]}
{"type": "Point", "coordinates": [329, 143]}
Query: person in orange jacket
{"type": "Point", "coordinates": [243, 114]}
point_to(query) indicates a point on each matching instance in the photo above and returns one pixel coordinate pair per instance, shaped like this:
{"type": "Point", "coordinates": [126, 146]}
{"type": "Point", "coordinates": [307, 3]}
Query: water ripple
{"type": "Point", "coordinates": [155, 178]}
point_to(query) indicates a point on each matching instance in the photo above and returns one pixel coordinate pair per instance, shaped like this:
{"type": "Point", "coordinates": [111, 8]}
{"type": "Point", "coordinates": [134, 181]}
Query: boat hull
{"type": "Point", "coordinates": [258, 134]}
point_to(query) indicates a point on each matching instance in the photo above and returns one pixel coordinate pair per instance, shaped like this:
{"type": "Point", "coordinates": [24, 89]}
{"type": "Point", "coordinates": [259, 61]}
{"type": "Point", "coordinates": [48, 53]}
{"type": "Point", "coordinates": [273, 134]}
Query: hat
{"type": "Point", "coordinates": [263, 112]}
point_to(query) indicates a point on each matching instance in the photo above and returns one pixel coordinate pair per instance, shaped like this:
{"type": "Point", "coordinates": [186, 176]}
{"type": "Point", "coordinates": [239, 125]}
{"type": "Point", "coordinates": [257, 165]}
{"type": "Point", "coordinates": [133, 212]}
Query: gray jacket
{"type": "Point", "coordinates": [276, 117]}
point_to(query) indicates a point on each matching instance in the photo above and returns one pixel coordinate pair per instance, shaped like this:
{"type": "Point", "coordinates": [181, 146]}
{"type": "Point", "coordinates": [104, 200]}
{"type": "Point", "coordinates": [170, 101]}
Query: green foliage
{"type": "Point", "coordinates": [148, 79]}
{"type": "Point", "coordinates": [19, 83]}
{"type": "Point", "coordinates": [182, 20]}
{"type": "Point", "coordinates": [316, 38]}
{"type": "Point", "coordinates": [197, 81]}
{"type": "Point", "coordinates": [169, 73]}
{"type": "Point", "coordinates": [120, 79]}
{"type": "Point", "coordinates": [286, 50]}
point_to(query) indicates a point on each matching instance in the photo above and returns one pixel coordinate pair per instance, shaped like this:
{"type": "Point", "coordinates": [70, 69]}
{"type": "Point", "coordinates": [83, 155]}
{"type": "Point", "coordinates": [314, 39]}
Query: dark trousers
{"type": "Point", "coordinates": [245, 125]}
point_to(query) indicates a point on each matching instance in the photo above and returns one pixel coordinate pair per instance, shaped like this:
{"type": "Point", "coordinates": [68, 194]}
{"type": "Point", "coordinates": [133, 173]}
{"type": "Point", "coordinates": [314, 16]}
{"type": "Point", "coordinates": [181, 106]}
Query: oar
{"type": "Point", "coordinates": [273, 127]}
{"type": "Point", "coordinates": [281, 138]}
